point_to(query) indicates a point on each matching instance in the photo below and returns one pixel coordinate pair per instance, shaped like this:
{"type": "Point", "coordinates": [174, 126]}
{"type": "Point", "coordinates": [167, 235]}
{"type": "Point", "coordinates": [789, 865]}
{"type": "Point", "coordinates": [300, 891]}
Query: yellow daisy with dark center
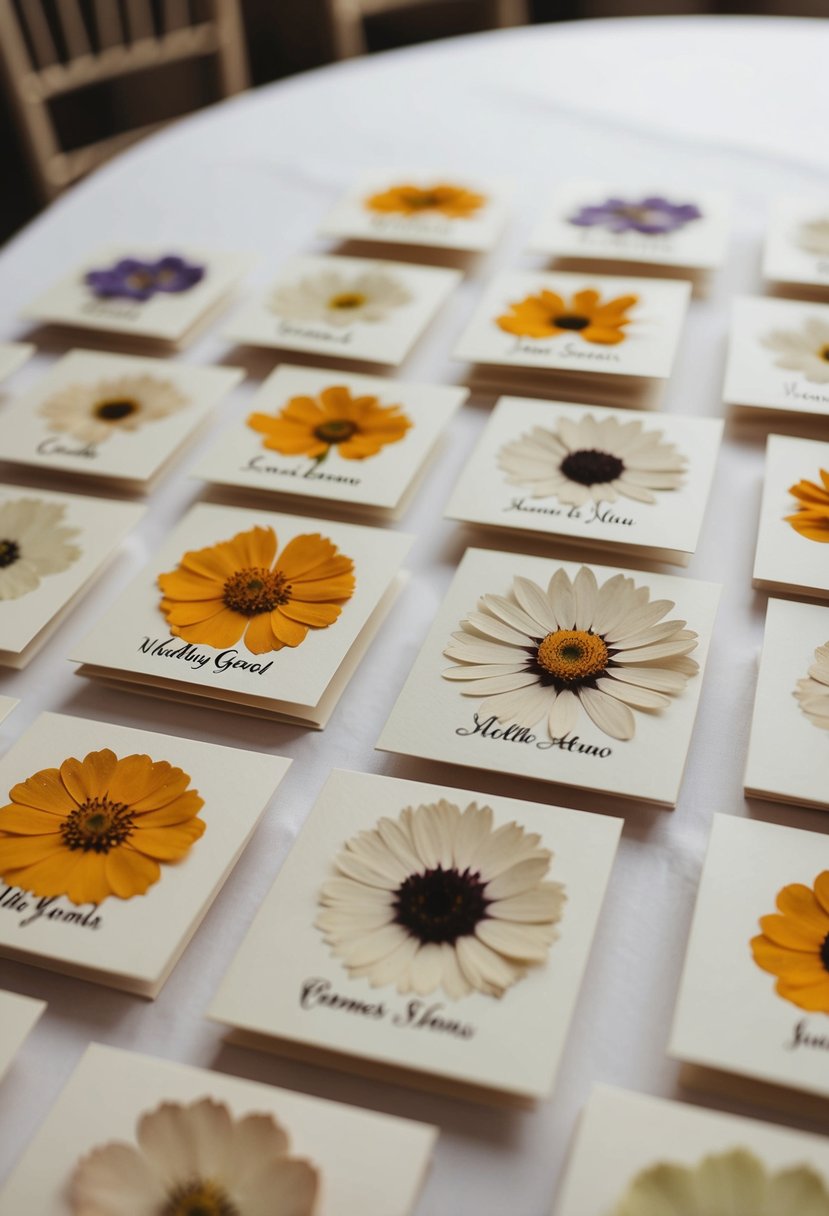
{"type": "Point", "coordinates": [357, 426]}
{"type": "Point", "coordinates": [811, 519]}
{"type": "Point", "coordinates": [794, 944]}
{"type": "Point", "coordinates": [547, 315]}
{"type": "Point", "coordinates": [450, 201]}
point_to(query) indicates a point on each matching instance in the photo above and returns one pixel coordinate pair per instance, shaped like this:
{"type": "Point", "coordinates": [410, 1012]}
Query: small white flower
{"type": "Point", "coordinates": [440, 898]}
{"type": "Point", "coordinates": [813, 236]}
{"type": "Point", "coordinates": [33, 542]}
{"type": "Point", "coordinates": [340, 299]}
{"type": "Point", "coordinates": [813, 690]}
{"type": "Point", "coordinates": [93, 412]}
{"type": "Point", "coordinates": [591, 460]}
{"type": "Point", "coordinates": [805, 350]}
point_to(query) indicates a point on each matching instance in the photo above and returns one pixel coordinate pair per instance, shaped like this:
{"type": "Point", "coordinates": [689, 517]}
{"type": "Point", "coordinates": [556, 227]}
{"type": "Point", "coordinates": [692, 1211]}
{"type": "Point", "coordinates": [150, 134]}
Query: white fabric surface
{"type": "Point", "coordinates": [735, 103]}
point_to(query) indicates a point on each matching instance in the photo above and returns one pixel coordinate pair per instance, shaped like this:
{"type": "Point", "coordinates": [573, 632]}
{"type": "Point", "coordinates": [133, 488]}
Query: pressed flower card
{"type": "Point", "coordinates": [582, 675]}
{"type": "Point", "coordinates": [250, 611]}
{"type": "Point", "coordinates": [793, 540]}
{"type": "Point", "coordinates": [788, 754]}
{"type": "Point", "coordinates": [752, 1015]}
{"type": "Point", "coordinates": [591, 476]}
{"type": "Point", "coordinates": [134, 1136]}
{"type": "Point", "coordinates": [412, 930]}
{"type": "Point", "coordinates": [778, 356]}
{"type": "Point", "coordinates": [346, 309]}
{"type": "Point", "coordinates": [635, 1155]}
{"type": "Point", "coordinates": [12, 356]}
{"type": "Point", "coordinates": [52, 548]}
{"type": "Point", "coordinates": [796, 252]}
{"type": "Point", "coordinates": [118, 418]}
{"type": "Point", "coordinates": [354, 441]}
{"type": "Point", "coordinates": [114, 842]}
{"type": "Point", "coordinates": [18, 1017]}
{"type": "Point", "coordinates": [159, 295]}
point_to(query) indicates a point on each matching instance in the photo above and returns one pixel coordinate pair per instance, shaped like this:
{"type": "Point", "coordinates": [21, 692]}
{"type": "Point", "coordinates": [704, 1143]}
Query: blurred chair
{"type": "Point", "coordinates": [50, 49]}
{"type": "Point", "coordinates": [348, 18]}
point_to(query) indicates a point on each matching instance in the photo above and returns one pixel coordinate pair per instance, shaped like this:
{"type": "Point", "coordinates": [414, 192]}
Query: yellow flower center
{"type": "Point", "coordinates": [255, 590]}
{"type": "Point", "coordinates": [572, 654]}
{"type": "Point", "coordinates": [336, 430]}
{"type": "Point", "coordinates": [199, 1198]}
{"type": "Point", "coordinates": [9, 552]}
{"type": "Point", "coordinates": [347, 299]}
{"type": "Point", "coordinates": [115, 410]}
{"type": "Point", "coordinates": [97, 826]}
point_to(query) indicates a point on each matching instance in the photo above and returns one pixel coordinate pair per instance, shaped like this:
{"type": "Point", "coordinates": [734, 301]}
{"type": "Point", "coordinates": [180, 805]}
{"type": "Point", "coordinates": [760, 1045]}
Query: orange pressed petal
{"type": "Point", "coordinates": [324, 590]}
{"type": "Point", "coordinates": [87, 882]}
{"type": "Point", "coordinates": [821, 889]}
{"type": "Point", "coordinates": [19, 851]}
{"type": "Point", "coordinates": [288, 632]}
{"type": "Point", "coordinates": [602, 336]}
{"type": "Point", "coordinates": [47, 876]}
{"type": "Point", "coordinates": [178, 810]}
{"type": "Point", "coordinates": [808, 492]}
{"type": "Point", "coordinates": [814, 998]}
{"type": "Point", "coordinates": [45, 791]}
{"type": "Point", "coordinates": [259, 636]}
{"type": "Point", "coordinates": [26, 821]}
{"type": "Point", "coordinates": [793, 964]}
{"type": "Point", "coordinates": [585, 301]}
{"type": "Point", "coordinates": [129, 873]}
{"type": "Point", "coordinates": [810, 529]}
{"type": "Point", "coordinates": [184, 585]}
{"type": "Point", "coordinates": [798, 902]}
{"type": "Point", "coordinates": [790, 933]}
{"type": "Point", "coordinates": [169, 843]}
{"type": "Point", "coordinates": [329, 567]}
{"type": "Point", "coordinates": [303, 553]}
{"type": "Point", "coordinates": [165, 785]}
{"type": "Point", "coordinates": [305, 411]}
{"type": "Point", "coordinates": [317, 616]}
{"type": "Point", "coordinates": [88, 778]}
{"type": "Point", "coordinates": [336, 401]}
{"type": "Point", "coordinates": [192, 612]}
{"type": "Point", "coordinates": [221, 631]}
{"type": "Point", "coordinates": [361, 448]}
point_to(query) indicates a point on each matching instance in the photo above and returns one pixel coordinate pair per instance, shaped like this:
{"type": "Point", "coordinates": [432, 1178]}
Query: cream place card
{"type": "Point", "coordinates": [581, 675]}
{"type": "Point", "coordinates": [18, 1017]}
{"type": "Point", "coordinates": [751, 1016]}
{"type": "Point", "coordinates": [356, 442]}
{"type": "Point", "coordinates": [132, 1134]}
{"type": "Point", "coordinates": [12, 356]}
{"type": "Point", "coordinates": [117, 418]}
{"type": "Point", "coordinates": [778, 357]}
{"type": "Point", "coordinates": [443, 920]}
{"type": "Point", "coordinates": [7, 704]}
{"type": "Point", "coordinates": [792, 556]}
{"type": "Point", "coordinates": [788, 758]}
{"type": "Point", "coordinates": [635, 1155]}
{"type": "Point", "coordinates": [352, 309]}
{"type": "Point", "coordinates": [595, 338]}
{"type": "Point", "coordinates": [591, 476]}
{"type": "Point", "coordinates": [52, 548]}
{"type": "Point", "coordinates": [161, 295]}
{"type": "Point", "coordinates": [250, 611]}
{"type": "Point", "coordinates": [796, 252]}
{"type": "Point", "coordinates": [114, 842]}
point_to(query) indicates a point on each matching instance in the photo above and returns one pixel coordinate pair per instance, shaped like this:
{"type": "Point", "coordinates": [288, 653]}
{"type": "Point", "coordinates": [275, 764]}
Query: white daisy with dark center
{"type": "Point", "coordinates": [341, 299]}
{"type": "Point", "coordinates": [803, 350]}
{"type": "Point", "coordinates": [593, 460]}
{"type": "Point", "coordinates": [34, 542]}
{"type": "Point", "coordinates": [813, 690]}
{"type": "Point", "coordinates": [544, 655]}
{"type": "Point", "coordinates": [92, 413]}
{"type": "Point", "coordinates": [442, 898]}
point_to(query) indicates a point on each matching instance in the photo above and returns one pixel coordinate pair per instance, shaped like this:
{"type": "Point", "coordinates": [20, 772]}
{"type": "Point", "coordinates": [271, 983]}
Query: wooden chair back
{"type": "Point", "coordinates": [347, 19]}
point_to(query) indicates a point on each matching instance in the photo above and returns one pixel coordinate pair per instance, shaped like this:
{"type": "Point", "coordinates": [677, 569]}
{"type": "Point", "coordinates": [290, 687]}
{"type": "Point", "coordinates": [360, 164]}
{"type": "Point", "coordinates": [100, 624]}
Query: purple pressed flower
{"type": "Point", "coordinates": [133, 279]}
{"type": "Point", "coordinates": [652, 216]}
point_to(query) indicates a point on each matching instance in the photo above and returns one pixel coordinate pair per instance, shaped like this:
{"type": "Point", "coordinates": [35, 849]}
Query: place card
{"type": "Point", "coordinates": [594, 225]}
{"type": "Point", "coordinates": [796, 250]}
{"type": "Point", "coordinates": [114, 843]}
{"type": "Point", "coordinates": [120, 419]}
{"type": "Point", "coordinates": [581, 675]}
{"type": "Point", "coordinates": [12, 356]}
{"type": "Point", "coordinates": [52, 549]}
{"type": "Point", "coordinates": [598, 339]}
{"type": "Point", "coordinates": [18, 1017]}
{"type": "Point", "coordinates": [162, 295]}
{"type": "Point", "coordinates": [777, 357]}
{"type": "Point", "coordinates": [751, 1014]}
{"type": "Point", "coordinates": [791, 557]}
{"type": "Point", "coordinates": [591, 477]}
{"type": "Point", "coordinates": [185, 1139]}
{"type": "Point", "coordinates": [500, 900]}
{"type": "Point", "coordinates": [787, 754]}
{"type": "Point", "coordinates": [354, 442]}
{"type": "Point", "coordinates": [7, 704]}
{"type": "Point", "coordinates": [251, 612]}
{"type": "Point", "coordinates": [352, 309]}
{"type": "Point", "coordinates": [635, 1155]}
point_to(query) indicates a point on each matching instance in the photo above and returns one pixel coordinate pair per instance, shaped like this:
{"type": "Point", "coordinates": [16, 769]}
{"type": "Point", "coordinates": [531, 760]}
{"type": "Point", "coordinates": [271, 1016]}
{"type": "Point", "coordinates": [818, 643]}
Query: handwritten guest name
{"type": "Point", "coordinates": [595, 513]}
{"type": "Point", "coordinates": [490, 728]}
{"type": "Point", "coordinates": [317, 993]}
{"type": "Point", "coordinates": [567, 350]}
{"type": "Point", "coordinates": [118, 311]}
{"type": "Point", "coordinates": [803, 1036]}
{"type": "Point", "coordinates": [55, 446]}
{"type": "Point", "coordinates": [199, 660]}
{"type": "Point", "coordinates": [259, 464]}
{"type": "Point", "coordinates": [30, 910]}
{"type": "Point", "coordinates": [794, 393]}
{"type": "Point", "coordinates": [337, 337]}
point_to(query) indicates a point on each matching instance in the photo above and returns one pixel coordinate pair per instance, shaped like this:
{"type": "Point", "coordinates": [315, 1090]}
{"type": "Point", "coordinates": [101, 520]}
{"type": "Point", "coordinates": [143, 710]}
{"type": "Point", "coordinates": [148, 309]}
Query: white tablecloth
{"type": "Point", "coordinates": [734, 103]}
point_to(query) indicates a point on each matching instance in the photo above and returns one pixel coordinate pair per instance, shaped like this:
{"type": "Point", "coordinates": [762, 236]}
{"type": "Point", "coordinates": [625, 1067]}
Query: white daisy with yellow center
{"type": "Point", "coordinates": [813, 690]}
{"type": "Point", "coordinates": [341, 299]}
{"type": "Point", "coordinates": [805, 350]}
{"type": "Point", "coordinates": [92, 413]}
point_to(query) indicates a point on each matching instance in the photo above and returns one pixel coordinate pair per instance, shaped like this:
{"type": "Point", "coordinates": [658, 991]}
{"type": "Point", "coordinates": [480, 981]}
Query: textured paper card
{"type": "Point", "coordinates": [797, 241]}
{"type": "Point", "coordinates": [12, 356]}
{"type": "Point", "coordinates": [526, 668]}
{"type": "Point", "coordinates": [636, 1154]}
{"type": "Point", "coordinates": [114, 842]}
{"type": "Point", "coordinates": [792, 542]}
{"type": "Point", "coordinates": [754, 996]}
{"type": "Point", "coordinates": [346, 308]}
{"type": "Point", "coordinates": [776, 356]}
{"type": "Point", "coordinates": [18, 1015]}
{"type": "Point", "coordinates": [787, 752]}
{"type": "Point", "coordinates": [112, 416]}
{"type": "Point", "coordinates": [310, 1157]}
{"type": "Point", "coordinates": [54, 546]}
{"type": "Point", "coordinates": [437, 993]}
{"type": "Point", "coordinates": [354, 440]}
{"type": "Point", "coordinates": [592, 475]}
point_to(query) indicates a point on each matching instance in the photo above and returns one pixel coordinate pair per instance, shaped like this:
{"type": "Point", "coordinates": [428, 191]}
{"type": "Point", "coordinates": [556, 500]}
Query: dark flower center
{"type": "Point", "coordinates": [9, 552]}
{"type": "Point", "coordinates": [115, 410]}
{"type": "Point", "coordinates": [347, 299]}
{"type": "Point", "coordinates": [824, 952]}
{"type": "Point", "coordinates": [569, 320]}
{"type": "Point", "coordinates": [823, 353]}
{"type": "Point", "coordinates": [590, 467]}
{"type": "Point", "coordinates": [426, 198]}
{"type": "Point", "coordinates": [199, 1198]}
{"type": "Point", "coordinates": [441, 905]}
{"type": "Point", "coordinates": [97, 826]}
{"type": "Point", "coordinates": [140, 280]}
{"type": "Point", "coordinates": [255, 590]}
{"type": "Point", "coordinates": [336, 430]}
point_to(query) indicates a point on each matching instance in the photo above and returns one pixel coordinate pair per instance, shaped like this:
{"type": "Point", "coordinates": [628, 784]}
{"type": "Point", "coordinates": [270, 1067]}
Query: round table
{"type": "Point", "coordinates": [732, 103]}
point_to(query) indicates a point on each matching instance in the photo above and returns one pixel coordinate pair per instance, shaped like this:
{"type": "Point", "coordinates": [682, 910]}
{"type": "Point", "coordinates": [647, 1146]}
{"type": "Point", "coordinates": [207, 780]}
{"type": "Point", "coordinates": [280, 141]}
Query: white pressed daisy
{"type": "Point", "coordinates": [441, 898]}
{"type": "Point", "coordinates": [33, 542]}
{"type": "Point", "coordinates": [592, 460]}
{"type": "Point", "coordinates": [805, 350]}
{"type": "Point", "coordinates": [196, 1160]}
{"type": "Point", "coordinates": [93, 412]}
{"type": "Point", "coordinates": [540, 654]}
{"type": "Point", "coordinates": [813, 236]}
{"type": "Point", "coordinates": [813, 690]}
{"type": "Point", "coordinates": [734, 1183]}
{"type": "Point", "coordinates": [340, 299]}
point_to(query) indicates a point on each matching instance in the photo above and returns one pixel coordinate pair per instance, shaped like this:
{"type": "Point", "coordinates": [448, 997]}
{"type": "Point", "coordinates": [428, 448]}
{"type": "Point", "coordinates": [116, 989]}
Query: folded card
{"type": "Point", "coordinates": [794, 519]}
{"type": "Point", "coordinates": [796, 252]}
{"type": "Point", "coordinates": [581, 675]}
{"type": "Point", "coordinates": [778, 356]}
{"type": "Point", "coordinates": [591, 476]}
{"type": "Point", "coordinates": [414, 928]}
{"type": "Point", "coordinates": [250, 611]}
{"type": "Point", "coordinates": [12, 356]}
{"type": "Point", "coordinates": [163, 1137]}
{"type": "Point", "coordinates": [355, 441]}
{"type": "Point", "coordinates": [18, 1016]}
{"type": "Point", "coordinates": [114, 842]}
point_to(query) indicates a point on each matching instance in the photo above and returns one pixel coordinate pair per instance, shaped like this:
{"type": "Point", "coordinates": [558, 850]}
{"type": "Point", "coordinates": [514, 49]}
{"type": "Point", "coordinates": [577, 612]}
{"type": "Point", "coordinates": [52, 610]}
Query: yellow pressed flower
{"type": "Point", "coordinates": [812, 516]}
{"type": "Point", "coordinates": [358, 427]}
{"type": "Point", "coordinates": [794, 944]}
{"type": "Point", "coordinates": [547, 314]}
{"type": "Point", "coordinates": [452, 202]}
